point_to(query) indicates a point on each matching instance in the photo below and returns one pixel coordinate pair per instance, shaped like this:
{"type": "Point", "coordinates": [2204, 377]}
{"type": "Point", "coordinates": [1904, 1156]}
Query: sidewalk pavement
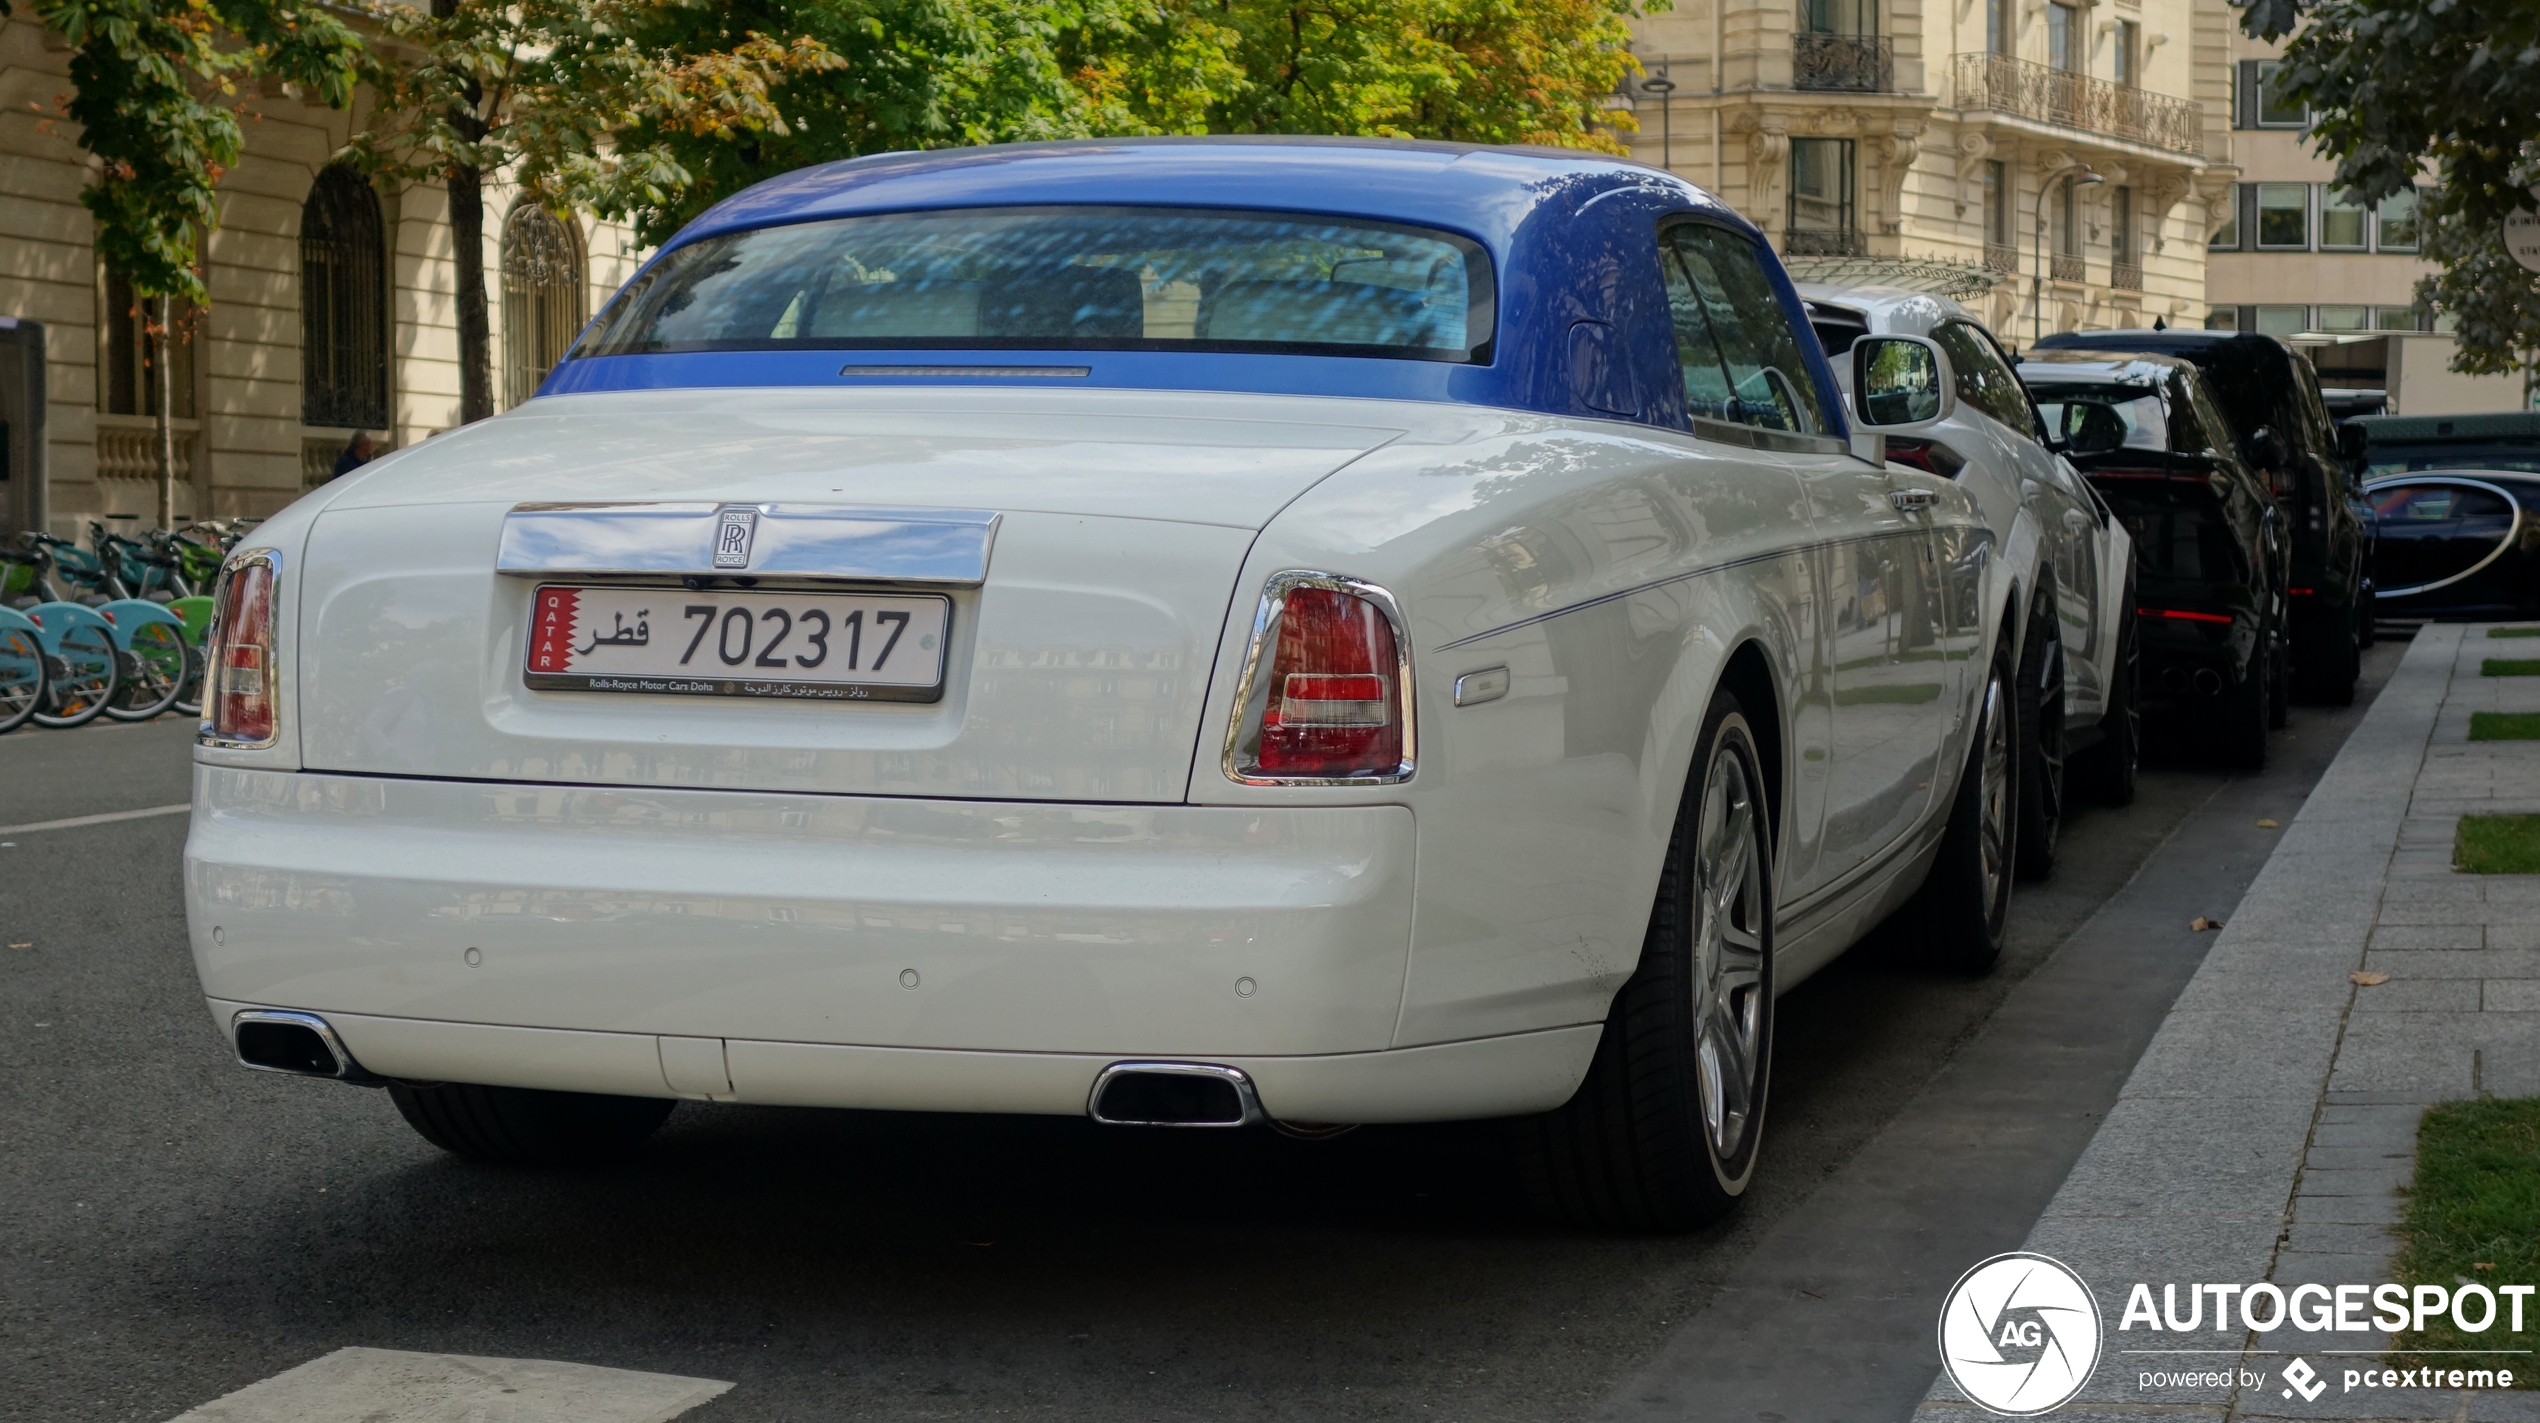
{"type": "Point", "coordinates": [2268, 1130]}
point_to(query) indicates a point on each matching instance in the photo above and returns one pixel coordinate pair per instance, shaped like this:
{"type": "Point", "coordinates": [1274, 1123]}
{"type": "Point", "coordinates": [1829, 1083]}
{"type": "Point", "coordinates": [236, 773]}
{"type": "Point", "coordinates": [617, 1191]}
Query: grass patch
{"type": "Point", "coordinates": [2504, 726]}
{"type": "Point", "coordinates": [2513, 632]}
{"type": "Point", "coordinates": [2509, 667]}
{"type": "Point", "coordinates": [2497, 845]}
{"type": "Point", "coordinates": [2475, 1214]}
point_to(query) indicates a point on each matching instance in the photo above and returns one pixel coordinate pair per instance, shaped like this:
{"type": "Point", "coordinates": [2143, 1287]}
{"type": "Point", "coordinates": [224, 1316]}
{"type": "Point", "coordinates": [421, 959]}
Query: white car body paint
{"type": "Point", "coordinates": [2046, 520]}
{"type": "Point", "coordinates": [977, 904]}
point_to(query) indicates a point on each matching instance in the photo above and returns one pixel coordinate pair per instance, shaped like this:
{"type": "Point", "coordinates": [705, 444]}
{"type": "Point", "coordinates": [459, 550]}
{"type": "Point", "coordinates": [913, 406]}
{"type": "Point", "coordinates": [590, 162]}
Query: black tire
{"type": "Point", "coordinates": [2243, 714]}
{"type": "Point", "coordinates": [80, 682]}
{"type": "Point", "coordinates": [2106, 772]}
{"type": "Point", "coordinates": [2329, 659]}
{"type": "Point", "coordinates": [1659, 1137]}
{"type": "Point", "coordinates": [22, 653]}
{"type": "Point", "coordinates": [517, 1126]}
{"type": "Point", "coordinates": [2367, 631]}
{"type": "Point", "coordinates": [2041, 732]}
{"type": "Point", "coordinates": [1964, 906]}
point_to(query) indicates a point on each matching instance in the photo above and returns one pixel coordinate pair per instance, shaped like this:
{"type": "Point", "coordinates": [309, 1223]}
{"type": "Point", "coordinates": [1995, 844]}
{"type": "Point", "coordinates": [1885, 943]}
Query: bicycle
{"type": "Point", "coordinates": [152, 659]}
{"type": "Point", "coordinates": [25, 676]}
{"type": "Point", "coordinates": [148, 571]}
{"type": "Point", "coordinates": [82, 663]}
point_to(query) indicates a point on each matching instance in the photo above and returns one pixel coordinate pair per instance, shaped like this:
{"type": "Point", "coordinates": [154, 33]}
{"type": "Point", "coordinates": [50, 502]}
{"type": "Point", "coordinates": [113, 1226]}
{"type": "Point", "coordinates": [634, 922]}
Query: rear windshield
{"type": "Point", "coordinates": [2093, 418]}
{"type": "Point", "coordinates": [1109, 279]}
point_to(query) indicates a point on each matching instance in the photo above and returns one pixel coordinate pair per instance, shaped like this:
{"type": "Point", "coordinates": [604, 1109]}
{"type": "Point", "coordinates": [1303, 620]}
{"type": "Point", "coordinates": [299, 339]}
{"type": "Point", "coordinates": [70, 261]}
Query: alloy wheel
{"type": "Point", "coordinates": [1728, 953]}
{"type": "Point", "coordinates": [1995, 790]}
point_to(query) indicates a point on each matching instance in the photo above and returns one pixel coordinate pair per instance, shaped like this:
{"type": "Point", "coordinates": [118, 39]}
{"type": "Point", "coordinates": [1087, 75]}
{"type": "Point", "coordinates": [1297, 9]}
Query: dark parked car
{"type": "Point", "coordinates": [2456, 508]}
{"type": "Point", "coordinates": [2209, 541]}
{"type": "Point", "coordinates": [2280, 427]}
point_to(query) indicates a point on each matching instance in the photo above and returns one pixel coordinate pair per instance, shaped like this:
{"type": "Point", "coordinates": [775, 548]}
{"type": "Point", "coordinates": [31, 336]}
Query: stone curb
{"type": "Point", "coordinates": [2197, 1172]}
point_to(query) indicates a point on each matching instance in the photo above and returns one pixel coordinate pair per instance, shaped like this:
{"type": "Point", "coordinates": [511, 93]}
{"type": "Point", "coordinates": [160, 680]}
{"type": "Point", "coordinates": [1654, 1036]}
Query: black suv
{"type": "Point", "coordinates": [2271, 396]}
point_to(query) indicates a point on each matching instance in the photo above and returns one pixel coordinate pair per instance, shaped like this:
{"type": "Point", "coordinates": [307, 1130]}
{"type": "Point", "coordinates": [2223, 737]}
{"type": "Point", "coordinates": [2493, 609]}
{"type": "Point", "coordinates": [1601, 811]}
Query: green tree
{"type": "Point", "coordinates": [155, 89]}
{"type": "Point", "coordinates": [2495, 301]}
{"type": "Point", "coordinates": [2399, 87]}
{"type": "Point", "coordinates": [573, 100]}
{"type": "Point", "coordinates": [1478, 71]}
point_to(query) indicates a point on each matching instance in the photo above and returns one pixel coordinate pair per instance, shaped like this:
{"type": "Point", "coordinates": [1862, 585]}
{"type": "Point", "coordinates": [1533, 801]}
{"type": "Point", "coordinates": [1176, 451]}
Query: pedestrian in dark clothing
{"type": "Point", "coordinates": [357, 452]}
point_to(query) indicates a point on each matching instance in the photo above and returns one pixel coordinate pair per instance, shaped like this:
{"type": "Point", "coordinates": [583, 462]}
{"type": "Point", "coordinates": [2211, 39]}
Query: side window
{"type": "Point", "coordinates": [1985, 380]}
{"type": "Point", "coordinates": [1757, 373]}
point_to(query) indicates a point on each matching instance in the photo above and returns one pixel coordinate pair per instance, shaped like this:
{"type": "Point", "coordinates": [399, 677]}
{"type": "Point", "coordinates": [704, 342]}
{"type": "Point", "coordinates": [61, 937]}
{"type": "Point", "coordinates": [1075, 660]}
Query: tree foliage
{"type": "Point", "coordinates": [944, 73]}
{"type": "Point", "coordinates": [156, 91]}
{"type": "Point", "coordinates": [2494, 300]}
{"type": "Point", "coordinates": [2400, 83]}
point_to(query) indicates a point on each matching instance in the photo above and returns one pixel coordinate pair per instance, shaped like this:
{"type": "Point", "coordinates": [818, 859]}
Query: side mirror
{"type": "Point", "coordinates": [2265, 449]}
{"type": "Point", "coordinates": [1900, 381]}
{"type": "Point", "coordinates": [2354, 445]}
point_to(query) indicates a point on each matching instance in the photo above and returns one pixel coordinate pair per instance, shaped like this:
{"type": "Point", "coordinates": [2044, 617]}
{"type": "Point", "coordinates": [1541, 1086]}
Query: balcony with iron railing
{"type": "Point", "coordinates": [2076, 101]}
{"type": "Point", "coordinates": [2066, 267]}
{"type": "Point", "coordinates": [1823, 242]}
{"type": "Point", "coordinates": [1855, 64]}
{"type": "Point", "coordinates": [2001, 257]}
{"type": "Point", "coordinates": [2125, 275]}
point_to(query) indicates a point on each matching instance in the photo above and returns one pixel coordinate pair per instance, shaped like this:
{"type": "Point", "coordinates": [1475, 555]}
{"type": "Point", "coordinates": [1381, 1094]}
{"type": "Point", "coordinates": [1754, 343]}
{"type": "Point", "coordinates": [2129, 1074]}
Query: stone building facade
{"type": "Point", "coordinates": [332, 309]}
{"type": "Point", "coordinates": [1950, 146]}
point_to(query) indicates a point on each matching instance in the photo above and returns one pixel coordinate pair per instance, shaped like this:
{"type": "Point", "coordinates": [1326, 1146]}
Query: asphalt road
{"type": "Point", "coordinates": [173, 1227]}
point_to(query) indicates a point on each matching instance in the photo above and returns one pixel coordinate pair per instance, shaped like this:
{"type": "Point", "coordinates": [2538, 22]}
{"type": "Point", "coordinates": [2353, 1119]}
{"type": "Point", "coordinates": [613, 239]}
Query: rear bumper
{"type": "Point", "coordinates": [834, 951]}
{"type": "Point", "coordinates": [1486, 1077]}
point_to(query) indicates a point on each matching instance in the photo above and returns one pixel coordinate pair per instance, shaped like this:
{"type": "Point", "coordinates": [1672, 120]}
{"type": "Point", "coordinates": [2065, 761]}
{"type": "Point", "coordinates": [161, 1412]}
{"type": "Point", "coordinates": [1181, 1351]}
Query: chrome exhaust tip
{"type": "Point", "coordinates": [1174, 1094]}
{"type": "Point", "coordinates": [2209, 681]}
{"type": "Point", "coordinates": [299, 1044]}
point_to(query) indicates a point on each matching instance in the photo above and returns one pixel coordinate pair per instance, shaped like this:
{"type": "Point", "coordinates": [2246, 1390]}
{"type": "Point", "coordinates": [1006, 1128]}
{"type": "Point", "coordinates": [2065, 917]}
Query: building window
{"type": "Point", "coordinates": [2283, 320]}
{"type": "Point", "coordinates": [2001, 27]}
{"type": "Point", "coordinates": [2274, 109]}
{"type": "Point", "coordinates": [2345, 318]}
{"type": "Point", "coordinates": [543, 286]}
{"type": "Point", "coordinates": [2284, 217]}
{"type": "Point", "coordinates": [2129, 53]}
{"type": "Point", "coordinates": [2341, 221]}
{"type": "Point", "coordinates": [1999, 252]}
{"type": "Point", "coordinates": [2398, 318]}
{"type": "Point", "coordinates": [2223, 318]}
{"type": "Point", "coordinates": [129, 385]}
{"type": "Point", "coordinates": [2397, 220]}
{"type": "Point", "coordinates": [2067, 39]}
{"type": "Point", "coordinates": [1839, 17]}
{"type": "Point", "coordinates": [2226, 238]}
{"type": "Point", "coordinates": [1821, 197]}
{"type": "Point", "coordinates": [2125, 267]}
{"type": "Point", "coordinates": [343, 304]}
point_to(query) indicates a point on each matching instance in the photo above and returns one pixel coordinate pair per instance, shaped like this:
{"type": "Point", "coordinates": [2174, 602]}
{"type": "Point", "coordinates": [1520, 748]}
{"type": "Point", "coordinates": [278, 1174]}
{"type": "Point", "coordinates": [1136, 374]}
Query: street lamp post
{"type": "Point", "coordinates": [1664, 87]}
{"type": "Point", "coordinates": [2079, 173]}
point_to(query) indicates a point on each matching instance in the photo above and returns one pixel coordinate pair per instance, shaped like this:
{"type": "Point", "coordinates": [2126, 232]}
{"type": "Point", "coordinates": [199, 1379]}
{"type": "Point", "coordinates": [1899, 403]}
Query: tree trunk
{"type": "Point", "coordinates": [467, 235]}
{"type": "Point", "coordinates": [165, 375]}
{"type": "Point", "coordinates": [467, 232]}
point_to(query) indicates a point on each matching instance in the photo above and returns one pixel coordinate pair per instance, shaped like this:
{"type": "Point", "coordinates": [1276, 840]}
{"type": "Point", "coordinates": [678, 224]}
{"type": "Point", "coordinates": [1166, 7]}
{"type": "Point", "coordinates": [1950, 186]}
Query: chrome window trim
{"type": "Point", "coordinates": [1246, 1098]}
{"type": "Point", "coordinates": [203, 733]}
{"type": "Point", "coordinates": [1265, 620]}
{"type": "Point", "coordinates": [2503, 545]}
{"type": "Point", "coordinates": [936, 547]}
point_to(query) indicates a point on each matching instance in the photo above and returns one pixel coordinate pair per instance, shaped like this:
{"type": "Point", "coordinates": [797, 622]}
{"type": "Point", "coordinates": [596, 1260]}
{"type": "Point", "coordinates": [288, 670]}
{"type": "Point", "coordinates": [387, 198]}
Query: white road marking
{"type": "Point", "coordinates": [107, 818]}
{"type": "Point", "coordinates": [392, 1386]}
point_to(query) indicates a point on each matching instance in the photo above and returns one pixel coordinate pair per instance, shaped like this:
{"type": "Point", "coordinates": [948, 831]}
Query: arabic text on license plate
{"type": "Point", "coordinates": [825, 646]}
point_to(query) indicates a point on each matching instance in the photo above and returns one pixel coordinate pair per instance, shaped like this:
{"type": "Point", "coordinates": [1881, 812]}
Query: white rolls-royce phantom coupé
{"type": "Point", "coordinates": [1192, 633]}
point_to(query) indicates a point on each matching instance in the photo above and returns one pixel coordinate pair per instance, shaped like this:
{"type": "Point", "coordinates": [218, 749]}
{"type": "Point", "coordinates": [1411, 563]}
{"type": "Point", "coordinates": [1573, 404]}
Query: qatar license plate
{"type": "Point", "coordinates": [727, 643]}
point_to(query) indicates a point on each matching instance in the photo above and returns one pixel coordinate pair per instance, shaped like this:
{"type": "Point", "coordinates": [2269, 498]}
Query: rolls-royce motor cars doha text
{"type": "Point", "coordinates": [1188, 632]}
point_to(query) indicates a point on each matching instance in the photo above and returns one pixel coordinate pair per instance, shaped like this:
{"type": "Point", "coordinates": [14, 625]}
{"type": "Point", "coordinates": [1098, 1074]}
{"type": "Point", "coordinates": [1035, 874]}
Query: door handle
{"type": "Point", "coordinates": [1908, 501]}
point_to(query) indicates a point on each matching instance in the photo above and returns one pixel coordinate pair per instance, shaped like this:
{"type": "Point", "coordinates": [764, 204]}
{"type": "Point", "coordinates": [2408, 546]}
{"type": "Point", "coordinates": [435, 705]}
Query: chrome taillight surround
{"type": "Point", "coordinates": [269, 559]}
{"type": "Point", "coordinates": [1243, 727]}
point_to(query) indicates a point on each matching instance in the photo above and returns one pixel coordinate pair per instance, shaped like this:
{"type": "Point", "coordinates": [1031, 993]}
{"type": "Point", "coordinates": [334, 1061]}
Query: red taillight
{"type": "Point", "coordinates": [2182, 615]}
{"type": "Point", "coordinates": [238, 704]}
{"type": "Point", "coordinates": [1329, 704]}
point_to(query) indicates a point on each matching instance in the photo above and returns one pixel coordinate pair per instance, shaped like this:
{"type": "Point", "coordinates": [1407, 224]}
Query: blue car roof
{"type": "Point", "coordinates": [1567, 233]}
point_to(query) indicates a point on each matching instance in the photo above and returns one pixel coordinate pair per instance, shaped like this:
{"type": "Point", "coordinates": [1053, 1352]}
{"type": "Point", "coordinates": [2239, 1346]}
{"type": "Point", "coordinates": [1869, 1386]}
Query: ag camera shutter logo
{"type": "Point", "coordinates": [2019, 1334]}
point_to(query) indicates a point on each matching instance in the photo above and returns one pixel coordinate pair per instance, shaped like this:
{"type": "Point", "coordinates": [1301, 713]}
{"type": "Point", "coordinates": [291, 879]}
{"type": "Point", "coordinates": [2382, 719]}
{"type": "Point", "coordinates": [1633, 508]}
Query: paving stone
{"type": "Point", "coordinates": [2381, 1209]}
{"type": "Point", "coordinates": [2430, 936]}
{"type": "Point", "coordinates": [2339, 1238]}
{"type": "Point", "coordinates": [2382, 1180]}
{"type": "Point", "coordinates": [2456, 963]}
{"type": "Point", "coordinates": [2295, 1268]}
{"type": "Point", "coordinates": [2511, 995]}
{"type": "Point", "coordinates": [2420, 995]}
